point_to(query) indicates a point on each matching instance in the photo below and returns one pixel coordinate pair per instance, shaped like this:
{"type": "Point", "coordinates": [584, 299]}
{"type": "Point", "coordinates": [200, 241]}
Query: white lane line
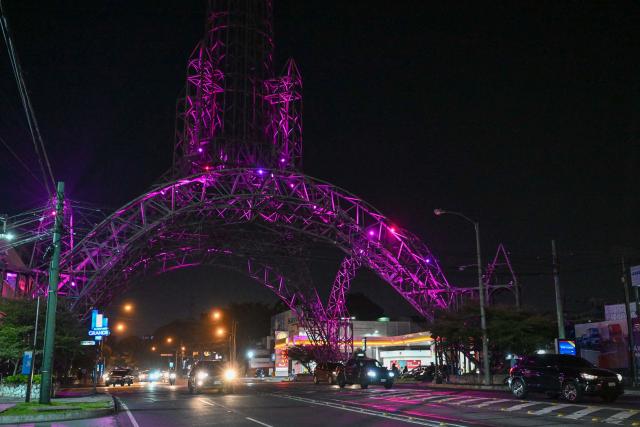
{"type": "Point", "coordinates": [475, 399]}
{"type": "Point", "coordinates": [549, 409]}
{"type": "Point", "coordinates": [258, 422]}
{"type": "Point", "coordinates": [521, 406]}
{"type": "Point", "coordinates": [491, 402]}
{"type": "Point", "coordinates": [134, 423]}
{"type": "Point", "coordinates": [449, 399]}
{"type": "Point", "coordinates": [405, 418]}
{"type": "Point", "coordinates": [620, 416]}
{"type": "Point", "coordinates": [581, 413]}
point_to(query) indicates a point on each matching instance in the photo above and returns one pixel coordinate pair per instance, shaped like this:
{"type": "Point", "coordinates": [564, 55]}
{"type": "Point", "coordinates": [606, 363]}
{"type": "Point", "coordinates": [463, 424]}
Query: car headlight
{"type": "Point", "coordinates": [172, 375]}
{"type": "Point", "coordinates": [106, 377]}
{"type": "Point", "coordinates": [588, 377]}
{"type": "Point", "coordinates": [371, 374]}
{"type": "Point", "coordinates": [391, 375]}
{"type": "Point", "coordinates": [230, 374]}
{"type": "Point", "coordinates": [619, 377]}
{"type": "Point", "coordinates": [202, 375]}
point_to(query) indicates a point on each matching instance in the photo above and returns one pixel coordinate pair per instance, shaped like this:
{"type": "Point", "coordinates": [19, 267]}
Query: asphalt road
{"type": "Point", "coordinates": [296, 404]}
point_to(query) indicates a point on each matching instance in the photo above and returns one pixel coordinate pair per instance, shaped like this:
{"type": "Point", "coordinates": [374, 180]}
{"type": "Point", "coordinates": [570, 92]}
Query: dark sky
{"type": "Point", "coordinates": [523, 115]}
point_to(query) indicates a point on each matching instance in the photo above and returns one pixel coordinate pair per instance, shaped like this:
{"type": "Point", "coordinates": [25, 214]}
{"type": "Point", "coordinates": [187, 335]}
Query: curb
{"type": "Point", "coordinates": [66, 416]}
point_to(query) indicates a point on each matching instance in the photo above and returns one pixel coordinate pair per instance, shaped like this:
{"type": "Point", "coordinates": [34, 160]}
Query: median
{"type": "Point", "coordinates": [59, 410]}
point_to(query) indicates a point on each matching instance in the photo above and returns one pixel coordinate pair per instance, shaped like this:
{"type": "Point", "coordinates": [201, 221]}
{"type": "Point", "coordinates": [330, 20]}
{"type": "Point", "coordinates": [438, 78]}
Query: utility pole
{"type": "Point", "coordinates": [52, 300]}
{"type": "Point", "coordinates": [483, 317]}
{"type": "Point", "coordinates": [556, 283]}
{"type": "Point", "coordinates": [627, 304]}
{"type": "Point", "coordinates": [27, 397]}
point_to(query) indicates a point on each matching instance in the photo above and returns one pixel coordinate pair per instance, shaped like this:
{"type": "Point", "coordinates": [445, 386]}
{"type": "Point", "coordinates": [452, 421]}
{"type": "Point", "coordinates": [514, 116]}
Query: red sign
{"type": "Point", "coordinates": [282, 358]}
{"type": "Point", "coordinates": [410, 364]}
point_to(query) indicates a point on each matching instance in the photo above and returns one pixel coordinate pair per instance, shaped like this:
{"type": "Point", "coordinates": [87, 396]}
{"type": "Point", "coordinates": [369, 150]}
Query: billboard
{"type": "Point", "coordinates": [635, 275]}
{"type": "Point", "coordinates": [605, 344]}
{"type": "Point", "coordinates": [567, 347]}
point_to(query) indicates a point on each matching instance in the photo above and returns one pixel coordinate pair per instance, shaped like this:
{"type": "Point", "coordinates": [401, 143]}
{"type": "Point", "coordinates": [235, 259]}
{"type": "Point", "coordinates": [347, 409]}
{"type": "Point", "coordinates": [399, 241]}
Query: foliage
{"type": "Point", "coordinates": [362, 307]}
{"type": "Point", "coordinates": [508, 330]}
{"type": "Point", "coordinates": [20, 379]}
{"type": "Point", "coordinates": [304, 354]}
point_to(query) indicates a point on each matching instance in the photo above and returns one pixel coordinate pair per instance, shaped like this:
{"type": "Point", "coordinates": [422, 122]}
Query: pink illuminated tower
{"type": "Point", "coordinates": [235, 112]}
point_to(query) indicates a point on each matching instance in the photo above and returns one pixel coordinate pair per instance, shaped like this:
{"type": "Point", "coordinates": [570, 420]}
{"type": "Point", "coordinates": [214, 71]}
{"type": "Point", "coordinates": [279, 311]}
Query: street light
{"type": "Point", "coordinates": [120, 327]}
{"type": "Point", "coordinates": [220, 332]}
{"type": "Point", "coordinates": [169, 340]}
{"type": "Point", "coordinates": [153, 348]}
{"type": "Point", "coordinates": [216, 315]}
{"type": "Point", "coordinates": [483, 317]}
{"type": "Point", "coordinates": [250, 354]}
{"type": "Point", "coordinates": [128, 307]}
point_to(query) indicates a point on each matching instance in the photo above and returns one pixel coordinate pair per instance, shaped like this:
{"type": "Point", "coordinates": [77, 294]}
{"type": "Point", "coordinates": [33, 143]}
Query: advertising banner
{"type": "Point", "coordinates": [635, 275]}
{"type": "Point", "coordinates": [605, 344]}
{"type": "Point", "coordinates": [567, 347]}
{"type": "Point", "coordinates": [27, 359]}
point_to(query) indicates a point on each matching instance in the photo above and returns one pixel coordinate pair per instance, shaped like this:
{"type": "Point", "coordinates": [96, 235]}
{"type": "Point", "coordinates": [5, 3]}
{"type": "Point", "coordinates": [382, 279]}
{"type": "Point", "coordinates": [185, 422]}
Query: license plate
{"type": "Point", "coordinates": [383, 380]}
{"type": "Point", "coordinates": [216, 382]}
{"type": "Point", "coordinates": [612, 384]}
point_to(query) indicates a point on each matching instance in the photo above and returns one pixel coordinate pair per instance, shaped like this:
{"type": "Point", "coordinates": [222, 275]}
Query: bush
{"type": "Point", "coordinates": [20, 379]}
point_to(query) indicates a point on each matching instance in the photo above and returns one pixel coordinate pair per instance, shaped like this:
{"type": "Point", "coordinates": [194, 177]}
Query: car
{"type": "Point", "coordinates": [211, 374]}
{"type": "Point", "coordinates": [120, 376]}
{"type": "Point", "coordinates": [562, 375]}
{"type": "Point", "coordinates": [326, 371]}
{"type": "Point", "coordinates": [143, 376]}
{"type": "Point", "coordinates": [364, 371]}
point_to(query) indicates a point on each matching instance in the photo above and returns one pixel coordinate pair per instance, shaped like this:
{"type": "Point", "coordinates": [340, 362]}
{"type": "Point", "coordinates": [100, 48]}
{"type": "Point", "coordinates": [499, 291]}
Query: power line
{"type": "Point", "coordinates": [22, 163]}
{"type": "Point", "coordinates": [36, 137]}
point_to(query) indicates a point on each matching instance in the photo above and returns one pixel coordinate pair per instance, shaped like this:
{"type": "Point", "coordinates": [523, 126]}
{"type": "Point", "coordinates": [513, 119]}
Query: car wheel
{"type": "Point", "coordinates": [364, 385]}
{"type": "Point", "coordinates": [518, 388]}
{"type": "Point", "coordinates": [342, 381]}
{"type": "Point", "coordinates": [571, 392]}
{"type": "Point", "coordinates": [316, 381]}
{"type": "Point", "coordinates": [122, 384]}
{"type": "Point", "coordinates": [609, 398]}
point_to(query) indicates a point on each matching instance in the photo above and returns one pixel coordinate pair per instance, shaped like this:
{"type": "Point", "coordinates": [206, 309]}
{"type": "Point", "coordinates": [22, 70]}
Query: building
{"type": "Point", "coordinates": [15, 278]}
{"type": "Point", "coordinates": [399, 342]}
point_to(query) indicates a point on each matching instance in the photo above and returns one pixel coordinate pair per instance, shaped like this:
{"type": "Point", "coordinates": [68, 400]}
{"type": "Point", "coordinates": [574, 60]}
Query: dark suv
{"type": "Point", "coordinates": [327, 371]}
{"type": "Point", "coordinates": [569, 377]}
{"type": "Point", "coordinates": [365, 371]}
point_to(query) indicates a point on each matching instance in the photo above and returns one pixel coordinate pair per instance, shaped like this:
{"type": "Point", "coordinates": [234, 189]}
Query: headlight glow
{"type": "Point", "coordinates": [202, 375]}
{"type": "Point", "coordinates": [391, 375]}
{"type": "Point", "coordinates": [371, 374]}
{"type": "Point", "coordinates": [619, 377]}
{"type": "Point", "coordinates": [588, 377]}
{"type": "Point", "coordinates": [230, 374]}
{"type": "Point", "coordinates": [106, 377]}
{"type": "Point", "coordinates": [172, 375]}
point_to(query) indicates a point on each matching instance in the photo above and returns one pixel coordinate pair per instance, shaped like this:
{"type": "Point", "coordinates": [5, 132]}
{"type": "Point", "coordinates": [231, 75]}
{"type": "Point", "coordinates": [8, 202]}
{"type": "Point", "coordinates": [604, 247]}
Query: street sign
{"type": "Point", "coordinates": [27, 358]}
{"type": "Point", "coordinates": [166, 355]}
{"type": "Point", "coordinates": [566, 347]}
{"type": "Point", "coordinates": [88, 342]}
{"type": "Point", "coordinates": [635, 276]}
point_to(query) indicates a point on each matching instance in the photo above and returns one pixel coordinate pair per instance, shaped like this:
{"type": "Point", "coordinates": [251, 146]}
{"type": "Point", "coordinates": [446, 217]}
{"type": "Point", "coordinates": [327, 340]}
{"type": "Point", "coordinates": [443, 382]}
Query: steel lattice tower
{"type": "Point", "coordinates": [235, 113]}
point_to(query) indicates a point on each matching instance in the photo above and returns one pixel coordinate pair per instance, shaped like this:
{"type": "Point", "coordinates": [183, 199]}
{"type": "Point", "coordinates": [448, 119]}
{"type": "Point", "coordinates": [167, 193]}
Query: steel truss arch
{"type": "Point", "coordinates": [290, 201]}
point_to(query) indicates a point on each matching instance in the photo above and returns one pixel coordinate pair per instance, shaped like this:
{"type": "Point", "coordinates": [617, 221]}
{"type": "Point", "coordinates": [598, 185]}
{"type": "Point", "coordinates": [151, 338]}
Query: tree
{"type": "Point", "coordinates": [508, 330]}
{"type": "Point", "coordinates": [304, 354]}
{"type": "Point", "coordinates": [362, 307]}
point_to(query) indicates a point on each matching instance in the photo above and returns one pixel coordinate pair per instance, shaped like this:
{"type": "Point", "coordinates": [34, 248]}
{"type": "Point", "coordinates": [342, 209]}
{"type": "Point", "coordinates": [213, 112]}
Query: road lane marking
{"type": "Point", "coordinates": [258, 422]}
{"type": "Point", "coordinates": [549, 409]}
{"type": "Point", "coordinates": [617, 418]}
{"type": "Point", "coordinates": [521, 406]}
{"type": "Point", "coordinates": [491, 402]}
{"type": "Point", "coordinates": [581, 413]}
{"type": "Point", "coordinates": [134, 423]}
{"type": "Point", "coordinates": [405, 418]}
{"type": "Point", "coordinates": [475, 399]}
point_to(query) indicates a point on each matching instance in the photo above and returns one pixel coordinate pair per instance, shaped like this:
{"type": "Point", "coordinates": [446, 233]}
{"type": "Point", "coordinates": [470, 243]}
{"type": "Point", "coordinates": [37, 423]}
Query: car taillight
{"type": "Point", "coordinates": [511, 370]}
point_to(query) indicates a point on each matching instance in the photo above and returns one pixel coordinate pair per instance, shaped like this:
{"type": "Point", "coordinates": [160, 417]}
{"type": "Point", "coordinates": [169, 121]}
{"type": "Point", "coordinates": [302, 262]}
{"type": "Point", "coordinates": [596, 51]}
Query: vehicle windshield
{"type": "Point", "coordinates": [209, 366]}
{"type": "Point", "coordinates": [119, 372]}
{"type": "Point", "coordinates": [373, 363]}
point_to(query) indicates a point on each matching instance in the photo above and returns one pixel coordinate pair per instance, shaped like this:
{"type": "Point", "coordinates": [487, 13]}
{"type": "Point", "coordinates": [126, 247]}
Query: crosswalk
{"type": "Point", "coordinates": [576, 412]}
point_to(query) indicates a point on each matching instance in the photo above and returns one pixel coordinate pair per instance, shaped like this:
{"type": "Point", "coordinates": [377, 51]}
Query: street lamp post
{"type": "Point", "coordinates": [483, 317]}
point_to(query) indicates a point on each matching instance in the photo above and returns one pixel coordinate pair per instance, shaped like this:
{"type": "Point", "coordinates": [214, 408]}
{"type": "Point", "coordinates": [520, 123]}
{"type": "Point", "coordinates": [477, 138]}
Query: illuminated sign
{"type": "Point", "coordinates": [567, 347]}
{"type": "Point", "coordinates": [99, 325]}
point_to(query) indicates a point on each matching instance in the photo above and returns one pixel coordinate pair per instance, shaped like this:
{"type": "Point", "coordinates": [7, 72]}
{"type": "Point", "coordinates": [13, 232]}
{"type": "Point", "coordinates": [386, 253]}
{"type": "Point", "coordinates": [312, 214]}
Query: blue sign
{"type": "Point", "coordinates": [27, 359]}
{"type": "Point", "coordinates": [99, 325]}
{"type": "Point", "coordinates": [567, 347]}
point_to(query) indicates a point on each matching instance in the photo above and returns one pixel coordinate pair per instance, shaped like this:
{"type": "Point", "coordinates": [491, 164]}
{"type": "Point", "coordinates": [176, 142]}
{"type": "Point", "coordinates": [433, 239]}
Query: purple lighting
{"type": "Point", "coordinates": [200, 150]}
{"type": "Point", "coordinates": [260, 172]}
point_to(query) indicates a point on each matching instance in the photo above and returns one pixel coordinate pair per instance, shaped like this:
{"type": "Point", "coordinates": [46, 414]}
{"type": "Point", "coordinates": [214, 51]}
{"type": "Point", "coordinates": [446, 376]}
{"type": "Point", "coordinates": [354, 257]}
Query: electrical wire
{"type": "Point", "coordinates": [36, 137]}
{"type": "Point", "coordinates": [22, 163]}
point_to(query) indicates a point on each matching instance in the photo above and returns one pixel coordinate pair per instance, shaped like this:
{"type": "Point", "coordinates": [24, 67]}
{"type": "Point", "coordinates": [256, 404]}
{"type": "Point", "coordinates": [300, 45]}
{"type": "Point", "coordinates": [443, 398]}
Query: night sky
{"type": "Point", "coordinates": [523, 115]}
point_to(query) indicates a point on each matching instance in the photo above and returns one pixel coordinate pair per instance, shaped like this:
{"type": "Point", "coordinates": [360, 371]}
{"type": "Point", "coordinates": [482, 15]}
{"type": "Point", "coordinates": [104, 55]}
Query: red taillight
{"type": "Point", "coordinates": [511, 370]}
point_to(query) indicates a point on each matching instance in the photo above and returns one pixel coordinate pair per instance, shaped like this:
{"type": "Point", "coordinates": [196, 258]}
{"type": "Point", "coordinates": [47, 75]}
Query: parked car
{"type": "Point", "coordinates": [364, 371]}
{"type": "Point", "coordinates": [120, 376]}
{"type": "Point", "coordinates": [569, 377]}
{"type": "Point", "coordinates": [211, 374]}
{"type": "Point", "coordinates": [326, 371]}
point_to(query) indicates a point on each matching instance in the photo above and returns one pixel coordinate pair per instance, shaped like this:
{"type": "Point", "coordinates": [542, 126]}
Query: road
{"type": "Point", "coordinates": [300, 404]}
